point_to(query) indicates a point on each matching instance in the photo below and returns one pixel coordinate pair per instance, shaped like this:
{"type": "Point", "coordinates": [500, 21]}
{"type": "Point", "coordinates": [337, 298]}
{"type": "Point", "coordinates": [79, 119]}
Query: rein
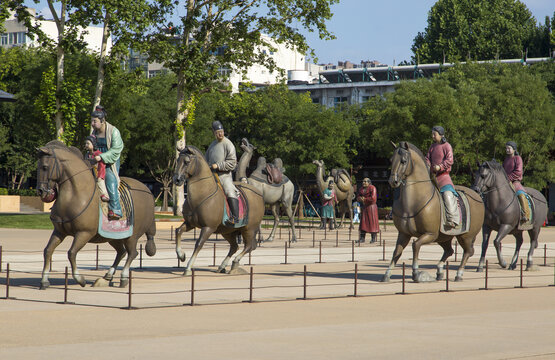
{"type": "Point", "coordinates": [193, 210]}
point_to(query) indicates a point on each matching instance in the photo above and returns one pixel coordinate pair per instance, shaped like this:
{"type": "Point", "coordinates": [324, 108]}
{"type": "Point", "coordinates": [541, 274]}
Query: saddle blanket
{"type": "Point", "coordinates": [527, 225]}
{"type": "Point", "coordinates": [117, 229]}
{"type": "Point", "coordinates": [464, 216]}
{"type": "Point", "coordinates": [243, 210]}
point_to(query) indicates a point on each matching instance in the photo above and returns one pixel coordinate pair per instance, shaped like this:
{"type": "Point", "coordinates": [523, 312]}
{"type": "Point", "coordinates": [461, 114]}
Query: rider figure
{"type": "Point", "coordinates": [222, 159]}
{"type": "Point", "coordinates": [514, 169]}
{"type": "Point", "coordinates": [440, 160]}
{"type": "Point", "coordinates": [109, 142]}
{"type": "Point", "coordinates": [328, 206]}
{"type": "Point", "coordinates": [100, 167]}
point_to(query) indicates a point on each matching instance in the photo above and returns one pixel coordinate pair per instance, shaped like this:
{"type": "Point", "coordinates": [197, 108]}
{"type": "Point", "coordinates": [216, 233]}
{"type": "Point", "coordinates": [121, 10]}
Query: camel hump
{"type": "Point", "coordinates": [343, 180]}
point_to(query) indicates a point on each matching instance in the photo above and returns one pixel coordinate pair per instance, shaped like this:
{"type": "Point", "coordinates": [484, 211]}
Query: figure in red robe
{"type": "Point", "coordinates": [367, 197]}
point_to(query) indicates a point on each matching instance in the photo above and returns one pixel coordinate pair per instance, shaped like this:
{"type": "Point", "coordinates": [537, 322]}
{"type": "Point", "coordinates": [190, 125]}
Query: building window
{"type": "Point", "coordinates": [12, 38]}
{"type": "Point", "coordinates": [21, 37]}
{"type": "Point", "coordinates": [4, 39]}
{"type": "Point", "coordinates": [365, 98]}
{"type": "Point", "coordinates": [339, 100]}
{"type": "Point", "coordinates": [315, 100]}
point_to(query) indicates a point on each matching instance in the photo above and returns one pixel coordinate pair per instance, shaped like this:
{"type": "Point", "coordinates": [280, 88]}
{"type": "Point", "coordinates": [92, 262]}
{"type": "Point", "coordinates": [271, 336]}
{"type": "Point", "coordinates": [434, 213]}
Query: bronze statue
{"type": "Point", "coordinates": [503, 213]}
{"type": "Point", "coordinates": [274, 192]}
{"type": "Point", "coordinates": [205, 205]}
{"type": "Point", "coordinates": [64, 176]}
{"type": "Point", "coordinates": [344, 191]}
{"type": "Point", "coordinates": [417, 212]}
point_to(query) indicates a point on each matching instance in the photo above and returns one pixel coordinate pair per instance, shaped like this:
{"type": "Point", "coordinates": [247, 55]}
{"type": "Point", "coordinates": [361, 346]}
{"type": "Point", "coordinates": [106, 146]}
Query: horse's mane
{"type": "Point", "coordinates": [495, 166]}
{"type": "Point", "coordinates": [417, 151]}
{"type": "Point", "coordinates": [58, 145]}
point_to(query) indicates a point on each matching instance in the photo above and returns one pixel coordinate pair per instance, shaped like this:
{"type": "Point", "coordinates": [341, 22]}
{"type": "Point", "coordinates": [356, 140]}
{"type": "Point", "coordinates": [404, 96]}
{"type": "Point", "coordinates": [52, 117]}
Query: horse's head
{"type": "Point", "coordinates": [401, 165]}
{"type": "Point", "coordinates": [48, 173]}
{"type": "Point", "coordinates": [187, 165]}
{"type": "Point", "coordinates": [484, 178]}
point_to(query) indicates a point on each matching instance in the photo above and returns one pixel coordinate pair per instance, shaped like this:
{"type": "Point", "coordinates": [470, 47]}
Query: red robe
{"type": "Point", "coordinates": [442, 155]}
{"type": "Point", "coordinates": [100, 166]}
{"type": "Point", "coordinates": [367, 198]}
{"type": "Point", "coordinates": [514, 168]}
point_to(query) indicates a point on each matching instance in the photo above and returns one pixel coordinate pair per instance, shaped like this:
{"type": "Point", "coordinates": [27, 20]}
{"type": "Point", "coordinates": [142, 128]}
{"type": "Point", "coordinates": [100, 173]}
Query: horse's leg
{"type": "Point", "coordinates": [447, 251]}
{"type": "Point", "coordinates": [232, 240]}
{"type": "Point", "coordinates": [130, 246]}
{"type": "Point", "coordinates": [250, 244]}
{"type": "Point", "coordinates": [467, 245]}
{"type": "Point", "coordinates": [205, 233]}
{"type": "Point", "coordinates": [486, 232]}
{"type": "Point", "coordinates": [504, 229]}
{"type": "Point", "coordinates": [79, 241]}
{"type": "Point", "coordinates": [120, 253]}
{"type": "Point", "coordinates": [533, 233]}
{"type": "Point", "coordinates": [402, 242]}
{"type": "Point", "coordinates": [519, 241]}
{"type": "Point", "coordinates": [420, 276]}
{"type": "Point", "coordinates": [180, 253]}
{"type": "Point", "coordinates": [55, 239]}
{"type": "Point", "coordinates": [291, 217]}
{"type": "Point", "coordinates": [275, 212]}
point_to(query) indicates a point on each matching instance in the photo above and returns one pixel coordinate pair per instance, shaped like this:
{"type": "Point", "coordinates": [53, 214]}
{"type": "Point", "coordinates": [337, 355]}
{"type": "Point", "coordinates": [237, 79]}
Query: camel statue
{"type": "Point", "coordinates": [273, 194]}
{"type": "Point", "coordinates": [344, 189]}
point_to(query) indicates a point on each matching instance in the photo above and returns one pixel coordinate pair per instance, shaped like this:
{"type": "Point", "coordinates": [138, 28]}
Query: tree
{"type": "Point", "coordinates": [476, 29]}
{"type": "Point", "coordinates": [212, 35]}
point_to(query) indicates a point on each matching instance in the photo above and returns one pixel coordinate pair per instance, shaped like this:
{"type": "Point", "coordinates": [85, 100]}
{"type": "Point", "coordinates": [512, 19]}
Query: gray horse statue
{"type": "Point", "coordinates": [344, 190]}
{"type": "Point", "coordinates": [273, 193]}
{"type": "Point", "coordinates": [503, 213]}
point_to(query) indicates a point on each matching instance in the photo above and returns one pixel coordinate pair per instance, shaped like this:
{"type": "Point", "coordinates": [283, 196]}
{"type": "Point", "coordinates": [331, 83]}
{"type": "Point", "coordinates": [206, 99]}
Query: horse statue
{"type": "Point", "coordinates": [205, 206]}
{"type": "Point", "coordinates": [343, 191]}
{"type": "Point", "coordinates": [64, 176]}
{"type": "Point", "coordinates": [503, 213]}
{"type": "Point", "coordinates": [417, 212]}
{"type": "Point", "coordinates": [273, 194]}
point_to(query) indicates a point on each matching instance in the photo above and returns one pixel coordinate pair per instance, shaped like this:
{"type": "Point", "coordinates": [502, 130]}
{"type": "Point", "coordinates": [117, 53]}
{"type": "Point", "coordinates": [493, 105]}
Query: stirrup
{"type": "Point", "coordinates": [113, 216]}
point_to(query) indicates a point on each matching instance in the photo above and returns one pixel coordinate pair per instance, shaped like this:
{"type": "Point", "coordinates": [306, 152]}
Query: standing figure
{"type": "Point", "coordinates": [222, 159]}
{"type": "Point", "coordinates": [110, 144]}
{"type": "Point", "coordinates": [356, 212]}
{"type": "Point", "coordinates": [368, 196]}
{"type": "Point", "coordinates": [328, 206]}
{"type": "Point", "coordinates": [440, 160]}
{"type": "Point", "coordinates": [514, 169]}
{"type": "Point", "coordinates": [99, 167]}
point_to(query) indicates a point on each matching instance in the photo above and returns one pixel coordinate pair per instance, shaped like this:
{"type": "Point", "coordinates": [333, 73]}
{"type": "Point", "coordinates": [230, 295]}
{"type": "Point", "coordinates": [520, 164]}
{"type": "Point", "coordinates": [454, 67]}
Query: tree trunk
{"type": "Point", "coordinates": [60, 22]}
{"type": "Point", "coordinates": [102, 61]}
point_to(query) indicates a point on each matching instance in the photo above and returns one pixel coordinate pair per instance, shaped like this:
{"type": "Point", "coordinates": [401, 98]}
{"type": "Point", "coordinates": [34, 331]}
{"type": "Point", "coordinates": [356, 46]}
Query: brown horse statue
{"type": "Point", "coordinates": [63, 175]}
{"type": "Point", "coordinates": [416, 212]}
{"type": "Point", "coordinates": [205, 205]}
{"type": "Point", "coordinates": [344, 197]}
{"type": "Point", "coordinates": [503, 213]}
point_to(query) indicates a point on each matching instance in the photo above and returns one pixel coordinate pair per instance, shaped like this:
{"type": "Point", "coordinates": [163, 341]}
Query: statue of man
{"type": "Point", "coordinates": [440, 160]}
{"type": "Point", "coordinates": [109, 142]}
{"type": "Point", "coordinates": [222, 159]}
{"type": "Point", "coordinates": [514, 168]}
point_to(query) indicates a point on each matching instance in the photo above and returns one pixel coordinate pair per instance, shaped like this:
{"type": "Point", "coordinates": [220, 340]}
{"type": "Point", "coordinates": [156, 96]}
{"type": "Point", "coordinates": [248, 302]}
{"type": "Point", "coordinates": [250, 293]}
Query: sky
{"type": "Point", "coordinates": [374, 29]}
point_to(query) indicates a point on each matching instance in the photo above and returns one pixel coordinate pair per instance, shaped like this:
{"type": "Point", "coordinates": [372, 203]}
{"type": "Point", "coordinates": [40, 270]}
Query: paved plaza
{"type": "Point", "coordinates": [506, 321]}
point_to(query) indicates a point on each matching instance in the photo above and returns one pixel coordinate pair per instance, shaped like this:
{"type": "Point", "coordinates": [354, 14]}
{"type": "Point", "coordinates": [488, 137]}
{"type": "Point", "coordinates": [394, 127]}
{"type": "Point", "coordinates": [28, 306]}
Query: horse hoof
{"type": "Point", "coordinates": [268, 240]}
{"type": "Point", "coordinates": [439, 277]}
{"type": "Point", "coordinates": [221, 271]}
{"type": "Point", "coordinates": [123, 283]}
{"type": "Point", "coordinates": [101, 282]}
{"type": "Point", "coordinates": [187, 272]}
{"type": "Point", "coordinates": [458, 278]}
{"type": "Point", "coordinates": [480, 269]}
{"type": "Point", "coordinates": [385, 278]}
{"type": "Point", "coordinates": [182, 258]}
{"type": "Point", "coordinates": [44, 285]}
{"type": "Point", "coordinates": [503, 265]}
{"type": "Point", "coordinates": [238, 271]}
{"type": "Point", "coordinates": [422, 276]}
{"type": "Point", "coordinates": [512, 267]}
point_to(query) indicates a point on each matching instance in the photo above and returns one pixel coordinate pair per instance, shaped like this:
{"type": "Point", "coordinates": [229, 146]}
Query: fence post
{"type": "Point", "coordinates": [289, 237]}
{"type": "Point", "coordinates": [279, 231]}
{"type": "Point", "coordinates": [65, 287]}
{"type": "Point", "coordinates": [171, 234]}
{"type": "Point", "coordinates": [7, 281]}
{"type": "Point", "coordinates": [96, 257]}
{"type": "Point", "coordinates": [326, 231]}
{"type": "Point", "coordinates": [403, 292]}
{"type": "Point", "coordinates": [251, 284]}
{"type": "Point", "coordinates": [192, 287]}
{"type": "Point", "coordinates": [383, 250]}
{"type": "Point", "coordinates": [285, 253]}
{"type": "Point", "coordinates": [130, 293]}
{"type": "Point", "coordinates": [380, 237]}
{"type": "Point", "coordinates": [447, 276]}
{"type": "Point", "coordinates": [544, 256]}
{"type": "Point", "coordinates": [141, 256]}
{"type": "Point", "coordinates": [350, 234]}
{"type": "Point", "coordinates": [356, 278]}
{"type": "Point", "coordinates": [337, 239]}
{"type": "Point", "coordinates": [320, 253]}
{"type": "Point", "coordinates": [456, 250]}
{"type": "Point", "coordinates": [300, 228]}
{"type": "Point", "coordinates": [521, 280]}
{"type": "Point", "coordinates": [249, 258]}
{"type": "Point", "coordinates": [486, 284]}
{"type": "Point", "coordinates": [214, 256]}
{"type": "Point", "coordinates": [0, 258]}
{"type": "Point", "coordinates": [313, 238]}
{"type": "Point", "coordinates": [304, 283]}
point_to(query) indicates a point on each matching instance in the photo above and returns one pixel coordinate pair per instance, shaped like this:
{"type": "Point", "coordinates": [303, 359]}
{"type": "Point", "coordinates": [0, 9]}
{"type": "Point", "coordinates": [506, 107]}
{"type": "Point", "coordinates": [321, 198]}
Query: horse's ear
{"type": "Point", "coordinates": [405, 145]}
{"type": "Point", "coordinates": [393, 144]}
{"type": "Point", "coordinates": [43, 151]}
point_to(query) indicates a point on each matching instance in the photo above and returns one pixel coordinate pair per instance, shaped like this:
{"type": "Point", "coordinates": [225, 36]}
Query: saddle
{"type": "Point", "coordinates": [527, 225]}
{"type": "Point", "coordinates": [270, 173]}
{"type": "Point", "coordinates": [122, 228]}
{"type": "Point", "coordinates": [243, 209]}
{"type": "Point", "coordinates": [464, 215]}
{"type": "Point", "coordinates": [274, 174]}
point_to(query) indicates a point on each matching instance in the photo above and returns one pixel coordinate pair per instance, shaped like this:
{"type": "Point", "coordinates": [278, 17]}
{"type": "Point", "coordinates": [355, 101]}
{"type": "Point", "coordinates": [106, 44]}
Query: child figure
{"type": "Point", "coordinates": [100, 167]}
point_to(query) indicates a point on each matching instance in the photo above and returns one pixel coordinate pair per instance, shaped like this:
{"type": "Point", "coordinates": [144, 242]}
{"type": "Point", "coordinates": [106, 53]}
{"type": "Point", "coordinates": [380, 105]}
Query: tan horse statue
{"type": "Point", "coordinates": [204, 208]}
{"type": "Point", "coordinates": [344, 198]}
{"type": "Point", "coordinates": [273, 194]}
{"type": "Point", "coordinates": [63, 175]}
{"type": "Point", "coordinates": [416, 212]}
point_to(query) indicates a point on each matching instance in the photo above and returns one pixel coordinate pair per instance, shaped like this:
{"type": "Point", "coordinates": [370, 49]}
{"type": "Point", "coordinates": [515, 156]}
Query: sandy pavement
{"type": "Point", "coordinates": [428, 323]}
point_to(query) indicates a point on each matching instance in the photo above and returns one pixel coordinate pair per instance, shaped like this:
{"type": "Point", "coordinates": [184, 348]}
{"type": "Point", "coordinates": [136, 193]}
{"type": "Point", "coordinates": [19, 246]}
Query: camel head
{"type": "Point", "coordinates": [319, 163]}
{"type": "Point", "coordinates": [246, 146]}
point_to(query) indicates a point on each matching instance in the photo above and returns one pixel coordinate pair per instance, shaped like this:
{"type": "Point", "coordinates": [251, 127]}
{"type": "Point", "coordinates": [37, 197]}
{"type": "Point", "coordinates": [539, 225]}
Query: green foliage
{"type": "Point", "coordinates": [477, 29]}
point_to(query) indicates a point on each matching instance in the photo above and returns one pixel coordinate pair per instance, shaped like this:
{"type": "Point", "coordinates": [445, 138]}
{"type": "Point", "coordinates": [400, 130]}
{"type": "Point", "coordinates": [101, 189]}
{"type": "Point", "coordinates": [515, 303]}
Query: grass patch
{"type": "Point", "coordinates": [34, 221]}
